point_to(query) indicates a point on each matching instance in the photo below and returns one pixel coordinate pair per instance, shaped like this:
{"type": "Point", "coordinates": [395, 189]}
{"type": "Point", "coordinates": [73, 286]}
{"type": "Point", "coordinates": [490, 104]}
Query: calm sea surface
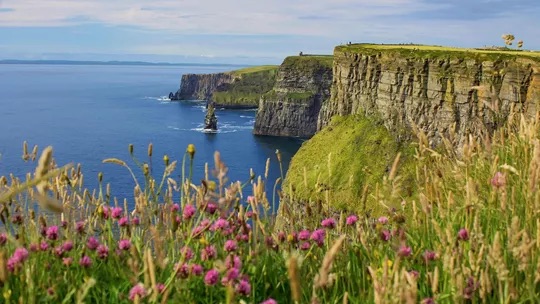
{"type": "Point", "coordinates": [89, 113]}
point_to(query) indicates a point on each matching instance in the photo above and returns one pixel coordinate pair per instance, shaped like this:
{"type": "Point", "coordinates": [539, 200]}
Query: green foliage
{"type": "Point", "coordinates": [436, 52]}
{"type": "Point", "coordinates": [339, 161]}
{"type": "Point", "coordinates": [469, 235]}
{"type": "Point", "coordinates": [247, 88]}
{"type": "Point", "coordinates": [307, 62]}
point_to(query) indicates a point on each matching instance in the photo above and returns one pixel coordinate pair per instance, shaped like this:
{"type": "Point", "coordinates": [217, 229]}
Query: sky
{"type": "Point", "coordinates": [250, 31]}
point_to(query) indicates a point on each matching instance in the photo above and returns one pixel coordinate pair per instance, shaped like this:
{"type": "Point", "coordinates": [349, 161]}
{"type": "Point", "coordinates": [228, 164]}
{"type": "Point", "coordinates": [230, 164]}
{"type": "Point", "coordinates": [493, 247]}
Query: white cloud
{"type": "Point", "coordinates": [327, 22]}
{"type": "Point", "coordinates": [208, 16]}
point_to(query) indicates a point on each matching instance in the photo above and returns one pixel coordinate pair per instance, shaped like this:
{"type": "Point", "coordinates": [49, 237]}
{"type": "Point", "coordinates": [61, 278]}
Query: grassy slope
{"type": "Point", "coordinates": [427, 51]}
{"type": "Point", "coordinates": [350, 153]}
{"type": "Point", "coordinates": [249, 85]}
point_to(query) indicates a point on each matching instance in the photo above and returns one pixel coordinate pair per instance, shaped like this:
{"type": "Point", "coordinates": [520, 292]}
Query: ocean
{"type": "Point", "coordinates": [88, 113]}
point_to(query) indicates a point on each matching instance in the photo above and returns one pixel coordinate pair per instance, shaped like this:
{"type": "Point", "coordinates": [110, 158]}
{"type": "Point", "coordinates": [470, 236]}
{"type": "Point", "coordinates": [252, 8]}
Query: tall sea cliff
{"type": "Point", "coordinates": [291, 108]}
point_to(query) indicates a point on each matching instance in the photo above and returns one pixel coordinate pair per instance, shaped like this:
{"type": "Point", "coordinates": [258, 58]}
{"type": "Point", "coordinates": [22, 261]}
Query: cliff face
{"type": "Point", "coordinates": [441, 91]}
{"type": "Point", "coordinates": [235, 89]}
{"type": "Point", "coordinates": [200, 86]}
{"type": "Point", "coordinates": [292, 107]}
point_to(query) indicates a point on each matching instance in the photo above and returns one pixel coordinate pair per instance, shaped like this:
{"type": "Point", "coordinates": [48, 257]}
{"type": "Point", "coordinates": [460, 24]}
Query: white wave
{"type": "Point", "coordinates": [160, 98]}
{"type": "Point", "coordinates": [245, 116]}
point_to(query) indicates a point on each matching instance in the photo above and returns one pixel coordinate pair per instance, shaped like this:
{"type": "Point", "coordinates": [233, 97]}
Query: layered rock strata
{"type": "Point", "coordinates": [292, 107]}
{"type": "Point", "coordinates": [445, 92]}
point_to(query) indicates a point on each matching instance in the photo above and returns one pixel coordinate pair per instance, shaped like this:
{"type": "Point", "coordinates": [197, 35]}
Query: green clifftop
{"type": "Point", "coordinates": [246, 88]}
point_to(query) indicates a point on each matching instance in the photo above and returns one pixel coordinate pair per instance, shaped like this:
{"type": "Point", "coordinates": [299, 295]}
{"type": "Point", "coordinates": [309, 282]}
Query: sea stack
{"type": "Point", "coordinates": [210, 120]}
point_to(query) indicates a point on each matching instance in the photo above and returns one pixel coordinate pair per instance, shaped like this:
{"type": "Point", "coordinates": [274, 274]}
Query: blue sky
{"type": "Point", "coordinates": [248, 31]}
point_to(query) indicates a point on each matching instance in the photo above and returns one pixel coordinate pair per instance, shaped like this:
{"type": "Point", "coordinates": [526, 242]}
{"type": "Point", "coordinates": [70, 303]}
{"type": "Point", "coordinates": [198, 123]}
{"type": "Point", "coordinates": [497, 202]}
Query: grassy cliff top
{"type": "Point", "coordinates": [349, 154]}
{"type": "Point", "coordinates": [254, 69]}
{"type": "Point", "coordinates": [308, 61]}
{"type": "Point", "coordinates": [432, 51]}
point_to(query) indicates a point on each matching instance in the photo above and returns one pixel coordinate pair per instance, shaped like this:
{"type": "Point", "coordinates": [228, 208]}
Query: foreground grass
{"type": "Point", "coordinates": [471, 235]}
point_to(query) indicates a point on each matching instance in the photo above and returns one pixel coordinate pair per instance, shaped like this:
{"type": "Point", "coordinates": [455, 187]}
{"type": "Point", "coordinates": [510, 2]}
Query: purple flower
{"type": "Point", "coordinates": [124, 244]}
{"type": "Point", "coordinates": [210, 208]}
{"type": "Point", "coordinates": [463, 234]}
{"type": "Point", "coordinates": [498, 180]}
{"type": "Point", "coordinates": [64, 224]}
{"type": "Point", "coordinates": [102, 251]}
{"type": "Point", "coordinates": [382, 220]}
{"type": "Point", "coordinates": [428, 301]}
{"type": "Point", "coordinates": [3, 239]}
{"type": "Point", "coordinates": [231, 275]}
{"type": "Point", "coordinates": [230, 246]}
{"type": "Point", "coordinates": [59, 251]}
{"type": "Point", "coordinates": [282, 236]}
{"type": "Point", "coordinates": [79, 226]}
{"type": "Point", "coordinates": [386, 235]}
{"type": "Point", "coordinates": [135, 221]}
{"type": "Point", "coordinates": [351, 220]}
{"type": "Point", "coordinates": [123, 221]}
{"type": "Point", "coordinates": [188, 212]}
{"type": "Point", "coordinates": [44, 246]}
{"type": "Point", "coordinates": [175, 208]}
{"type": "Point", "coordinates": [85, 261]}
{"type": "Point", "coordinates": [34, 247]}
{"type": "Point", "coordinates": [182, 271]}
{"type": "Point", "coordinates": [208, 253]}
{"type": "Point", "coordinates": [21, 254]}
{"type": "Point", "coordinates": [106, 211]}
{"type": "Point", "coordinates": [430, 256]}
{"type": "Point", "coordinates": [249, 214]}
{"type": "Point", "coordinates": [92, 243]}
{"type": "Point", "coordinates": [269, 301]}
{"type": "Point", "coordinates": [305, 246]}
{"type": "Point", "coordinates": [211, 277]}
{"type": "Point", "coordinates": [304, 235]}
{"type": "Point", "coordinates": [329, 223]}
{"type": "Point", "coordinates": [196, 269]}
{"type": "Point", "coordinates": [187, 252]}
{"type": "Point", "coordinates": [116, 212]}
{"type": "Point", "coordinates": [137, 292]}
{"type": "Point", "coordinates": [233, 262]}
{"type": "Point", "coordinates": [318, 236]}
{"type": "Point", "coordinates": [15, 261]}
{"type": "Point", "coordinates": [67, 261]}
{"type": "Point", "coordinates": [414, 273]}
{"type": "Point", "coordinates": [404, 251]}
{"type": "Point", "coordinates": [243, 288]}
{"type": "Point", "coordinates": [52, 233]}
{"type": "Point", "coordinates": [220, 224]}
{"type": "Point", "coordinates": [67, 246]}
{"type": "Point", "coordinates": [160, 287]}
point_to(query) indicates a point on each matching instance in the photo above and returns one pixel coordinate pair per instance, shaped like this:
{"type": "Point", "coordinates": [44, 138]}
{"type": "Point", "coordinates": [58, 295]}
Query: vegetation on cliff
{"type": "Point", "coordinates": [247, 87]}
{"type": "Point", "coordinates": [341, 162]}
{"type": "Point", "coordinates": [437, 52]}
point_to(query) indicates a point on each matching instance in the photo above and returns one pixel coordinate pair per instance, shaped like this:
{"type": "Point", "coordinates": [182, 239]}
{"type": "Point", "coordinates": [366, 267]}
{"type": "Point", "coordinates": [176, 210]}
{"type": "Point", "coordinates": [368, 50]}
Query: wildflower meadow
{"type": "Point", "coordinates": [470, 233]}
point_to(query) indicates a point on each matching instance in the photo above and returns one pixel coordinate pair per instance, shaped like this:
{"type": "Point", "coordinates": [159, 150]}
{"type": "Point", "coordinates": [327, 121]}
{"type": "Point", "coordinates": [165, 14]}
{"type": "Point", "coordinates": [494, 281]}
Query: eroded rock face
{"type": "Point", "coordinates": [292, 107]}
{"type": "Point", "coordinates": [458, 94]}
{"type": "Point", "coordinates": [200, 86]}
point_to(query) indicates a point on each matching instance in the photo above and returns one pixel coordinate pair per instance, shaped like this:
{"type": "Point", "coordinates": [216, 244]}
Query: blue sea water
{"type": "Point", "coordinates": [89, 113]}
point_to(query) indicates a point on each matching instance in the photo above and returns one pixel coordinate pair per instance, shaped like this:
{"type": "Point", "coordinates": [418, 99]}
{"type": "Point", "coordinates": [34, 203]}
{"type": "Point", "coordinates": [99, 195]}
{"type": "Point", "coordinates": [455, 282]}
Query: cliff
{"type": "Point", "coordinates": [236, 89]}
{"type": "Point", "coordinates": [200, 86]}
{"type": "Point", "coordinates": [388, 89]}
{"type": "Point", "coordinates": [445, 91]}
{"type": "Point", "coordinates": [292, 107]}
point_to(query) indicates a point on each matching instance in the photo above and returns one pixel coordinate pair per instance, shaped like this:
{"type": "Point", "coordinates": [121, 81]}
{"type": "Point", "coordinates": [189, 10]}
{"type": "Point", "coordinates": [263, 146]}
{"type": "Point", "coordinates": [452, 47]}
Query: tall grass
{"type": "Point", "coordinates": [470, 234]}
